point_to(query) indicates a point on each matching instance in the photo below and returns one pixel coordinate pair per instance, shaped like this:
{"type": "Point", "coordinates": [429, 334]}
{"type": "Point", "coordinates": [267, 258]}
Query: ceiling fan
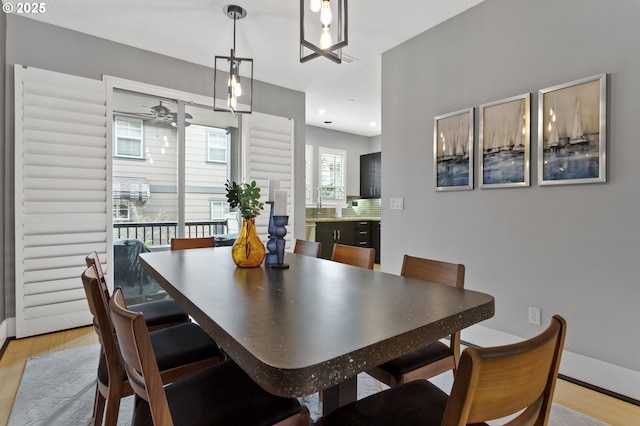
{"type": "Point", "coordinates": [162, 114]}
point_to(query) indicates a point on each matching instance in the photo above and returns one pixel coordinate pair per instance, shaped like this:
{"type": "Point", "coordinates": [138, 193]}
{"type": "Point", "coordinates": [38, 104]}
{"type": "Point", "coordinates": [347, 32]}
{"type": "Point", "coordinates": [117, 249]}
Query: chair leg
{"type": "Point", "coordinates": [113, 404]}
{"type": "Point", "coordinates": [98, 407]}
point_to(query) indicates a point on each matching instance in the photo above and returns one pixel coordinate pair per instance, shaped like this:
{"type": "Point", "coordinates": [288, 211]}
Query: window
{"type": "Point", "coordinates": [128, 137]}
{"type": "Point", "coordinates": [217, 145]}
{"type": "Point", "coordinates": [308, 174]}
{"type": "Point", "coordinates": [121, 212]}
{"type": "Point", "coordinates": [333, 175]}
{"type": "Point", "coordinates": [219, 209]}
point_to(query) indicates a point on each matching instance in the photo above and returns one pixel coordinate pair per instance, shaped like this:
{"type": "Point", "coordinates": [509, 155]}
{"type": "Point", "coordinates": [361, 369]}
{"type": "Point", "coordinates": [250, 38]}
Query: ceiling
{"type": "Point", "coordinates": [197, 30]}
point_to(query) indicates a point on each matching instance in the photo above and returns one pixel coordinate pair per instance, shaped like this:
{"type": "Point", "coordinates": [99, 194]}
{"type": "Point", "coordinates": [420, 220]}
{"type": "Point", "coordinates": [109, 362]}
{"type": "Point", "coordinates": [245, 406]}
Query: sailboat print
{"type": "Point", "coordinates": [577, 135]}
{"type": "Point", "coordinates": [495, 145]}
{"type": "Point", "coordinates": [554, 140]}
{"type": "Point", "coordinates": [506, 146]}
{"type": "Point", "coordinates": [460, 145]}
{"type": "Point", "coordinates": [520, 133]}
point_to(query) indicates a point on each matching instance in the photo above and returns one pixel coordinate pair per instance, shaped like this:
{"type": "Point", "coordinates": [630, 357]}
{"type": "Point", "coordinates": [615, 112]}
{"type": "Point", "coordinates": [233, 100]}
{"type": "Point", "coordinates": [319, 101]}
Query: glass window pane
{"type": "Point", "coordinates": [332, 174]}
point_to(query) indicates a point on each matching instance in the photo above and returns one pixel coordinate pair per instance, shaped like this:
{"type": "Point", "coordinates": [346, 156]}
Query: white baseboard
{"type": "Point", "coordinates": [598, 373]}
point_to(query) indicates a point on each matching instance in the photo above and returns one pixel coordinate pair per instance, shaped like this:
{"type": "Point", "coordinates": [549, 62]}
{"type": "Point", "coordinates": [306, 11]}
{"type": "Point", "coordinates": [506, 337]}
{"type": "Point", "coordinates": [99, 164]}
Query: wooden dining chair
{"type": "Point", "coordinates": [436, 357]}
{"type": "Point", "coordinates": [490, 383]}
{"type": "Point", "coordinates": [308, 248]}
{"type": "Point", "coordinates": [353, 255]}
{"type": "Point", "coordinates": [181, 350]}
{"type": "Point", "coordinates": [157, 313]}
{"type": "Point", "coordinates": [222, 394]}
{"type": "Point", "coordinates": [190, 243]}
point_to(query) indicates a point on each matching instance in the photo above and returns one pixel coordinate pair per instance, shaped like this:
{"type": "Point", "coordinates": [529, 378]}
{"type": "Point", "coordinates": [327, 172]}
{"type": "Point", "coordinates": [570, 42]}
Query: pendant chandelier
{"type": "Point", "coordinates": [236, 91]}
{"type": "Point", "coordinates": [324, 22]}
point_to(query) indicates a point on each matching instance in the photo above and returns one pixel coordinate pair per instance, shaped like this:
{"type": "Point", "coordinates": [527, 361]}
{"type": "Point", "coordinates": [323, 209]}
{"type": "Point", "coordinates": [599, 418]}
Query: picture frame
{"type": "Point", "coordinates": [572, 132]}
{"type": "Point", "coordinates": [504, 142]}
{"type": "Point", "coordinates": [453, 151]}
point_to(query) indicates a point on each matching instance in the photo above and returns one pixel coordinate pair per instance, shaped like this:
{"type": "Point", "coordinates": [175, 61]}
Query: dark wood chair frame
{"type": "Point", "coordinates": [142, 369]}
{"type": "Point", "coordinates": [190, 243]}
{"type": "Point", "coordinates": [437, 272]}
{"type": "Point", "coordinates": [353, 255]}
{"type": "Point", "coordinates": [491, 383]}
{"type": "Point", "coordinates": [308, 248]}
{"type": "Point", "coordinates": [108, 395]}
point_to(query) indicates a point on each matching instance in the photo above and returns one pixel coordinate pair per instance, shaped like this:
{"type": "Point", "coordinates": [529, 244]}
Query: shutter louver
{"type": "Point", "coordinates": [61, 195]}
{"type": "Point", "coordinates": [268, 154]}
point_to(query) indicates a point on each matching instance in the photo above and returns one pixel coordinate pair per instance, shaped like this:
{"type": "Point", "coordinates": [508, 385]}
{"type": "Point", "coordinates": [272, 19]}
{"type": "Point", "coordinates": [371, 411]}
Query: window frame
{"type": "Point", "coordinates": [225, 208]}
{"type": "Point", "coordinates": [216, 131]}
{"type": "Point", "coordinates": [116, 137]}
{"type": "Point", "coordinates": [308, 174]}
{"type": "Point", "coordinates": [322, 151]}
{"type": "Point", "coordinates": [119, 205]}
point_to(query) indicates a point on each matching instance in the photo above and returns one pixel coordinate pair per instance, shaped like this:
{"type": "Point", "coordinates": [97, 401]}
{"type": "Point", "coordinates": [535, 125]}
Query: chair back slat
{"type": "Point", "coordinates": [492, 383]}
{"type": "Point", "coordinates": [352, 255]}
{"type": "Point", "coordinates": [98, 305]}
{"type": "Point", "coordinates": [140, 362]}
{"type": "Point", "coordinates": [434, 271]}
{"type": "Point", "coordinates": [190, 243]}
{"type": "Point", "coordinates": [308, 248]}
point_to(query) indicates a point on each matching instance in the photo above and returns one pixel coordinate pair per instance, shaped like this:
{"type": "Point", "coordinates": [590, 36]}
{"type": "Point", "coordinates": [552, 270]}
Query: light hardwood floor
{"type": "Point", "coordinates": [578, 398]}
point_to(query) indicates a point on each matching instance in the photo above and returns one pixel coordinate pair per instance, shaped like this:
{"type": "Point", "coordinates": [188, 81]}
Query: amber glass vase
{"type": "Point", "coordinates": [248, 251]}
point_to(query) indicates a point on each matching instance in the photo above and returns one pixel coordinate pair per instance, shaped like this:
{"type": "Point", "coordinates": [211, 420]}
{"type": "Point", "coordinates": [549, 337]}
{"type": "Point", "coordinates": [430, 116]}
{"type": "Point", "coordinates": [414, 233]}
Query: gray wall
{"type": "Point", "coordinates": [3, 42]}
{"type": "Point", "coordinates": [571, 249]}
{"type": "Point", "coordinates": [53, 48]}
{"type": "Point", "coordinates": [355, 146]}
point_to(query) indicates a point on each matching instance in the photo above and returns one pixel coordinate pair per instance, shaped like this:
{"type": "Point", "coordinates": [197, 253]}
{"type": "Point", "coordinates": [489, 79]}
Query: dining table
{"type": "Point", "coordinates": [314, 326]}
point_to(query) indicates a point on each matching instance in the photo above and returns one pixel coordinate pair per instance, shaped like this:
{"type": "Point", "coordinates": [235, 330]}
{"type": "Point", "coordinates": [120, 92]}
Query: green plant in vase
{"type": "Point", "coordinates": [248, 250]}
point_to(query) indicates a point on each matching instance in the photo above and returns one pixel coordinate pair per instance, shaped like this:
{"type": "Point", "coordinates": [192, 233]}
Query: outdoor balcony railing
{"type": "Point", "coordinates": [160, 233]}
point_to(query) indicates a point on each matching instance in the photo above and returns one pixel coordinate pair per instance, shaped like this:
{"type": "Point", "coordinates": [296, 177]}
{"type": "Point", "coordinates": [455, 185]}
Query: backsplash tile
{"type": "Point", "coordinates": [357, 207]}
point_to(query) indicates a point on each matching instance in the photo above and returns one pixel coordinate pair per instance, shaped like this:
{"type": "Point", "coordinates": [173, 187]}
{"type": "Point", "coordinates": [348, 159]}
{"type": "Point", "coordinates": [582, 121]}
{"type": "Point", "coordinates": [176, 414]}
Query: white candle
{"type": "Point", "coordinates": [280, 203]}
{"type": "Point", "coordinates": [274, 185]}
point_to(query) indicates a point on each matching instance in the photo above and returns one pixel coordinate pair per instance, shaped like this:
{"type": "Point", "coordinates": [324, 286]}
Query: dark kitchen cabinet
{"type": "Point", "coordinates": [375, 238]}
{"type": "Point", "coordinates": [362, 234]}
{"type": "Point", "coordinates": [370, 175]}
{"type": "Point", "coordinates": [329, 233]}
{"type": "Point", "coordinates": [365, 233]}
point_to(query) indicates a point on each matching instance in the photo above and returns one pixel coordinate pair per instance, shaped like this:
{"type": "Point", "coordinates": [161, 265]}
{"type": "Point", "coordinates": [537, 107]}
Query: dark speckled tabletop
{"type": "Point", "coordinates": [312, 326]}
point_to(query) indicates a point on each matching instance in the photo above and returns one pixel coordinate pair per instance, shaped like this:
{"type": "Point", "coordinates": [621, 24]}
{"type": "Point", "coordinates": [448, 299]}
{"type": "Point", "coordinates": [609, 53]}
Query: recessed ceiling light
{"type": "Point", "coordinates": [322, 111]}
{"type": "Point", "coordinates": [373, 124]}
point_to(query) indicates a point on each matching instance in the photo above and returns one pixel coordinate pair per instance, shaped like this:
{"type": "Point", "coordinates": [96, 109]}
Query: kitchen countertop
{"type": "Point", "coordinates": [340, 219]}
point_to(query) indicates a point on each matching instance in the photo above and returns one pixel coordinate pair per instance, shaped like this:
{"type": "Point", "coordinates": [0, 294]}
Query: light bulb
{"type": "Point", "coordinates": [326, 17]}
{"type": "Point", "coordinates": [325, 38]}
{"type": "Point", "coordinates": [315, 5]}
{"type": "Point", "coordinates": [232, 102]}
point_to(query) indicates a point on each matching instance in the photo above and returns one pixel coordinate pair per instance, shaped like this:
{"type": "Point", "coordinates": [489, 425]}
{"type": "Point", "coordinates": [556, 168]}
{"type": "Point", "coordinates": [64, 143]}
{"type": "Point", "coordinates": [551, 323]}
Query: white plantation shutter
{"type": "Point", "coordinates": [60, 195]}
{"type": "Point", "coordinates": [268, 154]}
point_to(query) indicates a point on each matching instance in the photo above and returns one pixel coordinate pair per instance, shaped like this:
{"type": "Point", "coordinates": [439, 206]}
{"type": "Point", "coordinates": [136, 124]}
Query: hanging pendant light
{"type": "Point", "coordinates": [235, 92]}
{"type": "Point", "coordinates": [317, 23]}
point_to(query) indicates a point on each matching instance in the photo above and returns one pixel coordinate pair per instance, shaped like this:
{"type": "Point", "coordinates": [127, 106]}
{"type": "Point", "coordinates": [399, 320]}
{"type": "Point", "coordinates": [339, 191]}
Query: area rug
{"type": "Point", "coordinates": [58, 389]}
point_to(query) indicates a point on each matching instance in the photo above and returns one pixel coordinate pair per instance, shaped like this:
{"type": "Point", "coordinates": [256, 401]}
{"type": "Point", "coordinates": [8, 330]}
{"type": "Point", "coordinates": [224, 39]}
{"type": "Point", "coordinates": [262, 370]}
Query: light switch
{"type": "Point", "coordinates": [397, 203]}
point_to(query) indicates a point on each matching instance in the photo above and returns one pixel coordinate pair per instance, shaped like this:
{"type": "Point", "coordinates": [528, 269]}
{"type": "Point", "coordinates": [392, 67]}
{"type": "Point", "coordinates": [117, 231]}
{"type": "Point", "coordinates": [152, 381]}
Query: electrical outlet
{"type": "Point", "coordinates": [534, 316]}
{"type": "Point", "coordinates": [396, 203]}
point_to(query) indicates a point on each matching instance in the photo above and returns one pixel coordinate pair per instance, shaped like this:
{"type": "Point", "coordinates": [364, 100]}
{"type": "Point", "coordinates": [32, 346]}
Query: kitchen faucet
{"type": "Point", "coordinates": [318, 200]}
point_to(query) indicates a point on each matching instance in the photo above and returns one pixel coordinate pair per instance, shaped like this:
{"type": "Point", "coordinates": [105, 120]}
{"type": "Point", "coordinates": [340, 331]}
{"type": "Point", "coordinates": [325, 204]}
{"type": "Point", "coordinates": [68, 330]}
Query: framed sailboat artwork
{"type": "Point", "coordinates": [505, 142]}
{"type": "Point", "coordinates": [572, 132]}
{"type": "Point", "coordinates": [453, 151]}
